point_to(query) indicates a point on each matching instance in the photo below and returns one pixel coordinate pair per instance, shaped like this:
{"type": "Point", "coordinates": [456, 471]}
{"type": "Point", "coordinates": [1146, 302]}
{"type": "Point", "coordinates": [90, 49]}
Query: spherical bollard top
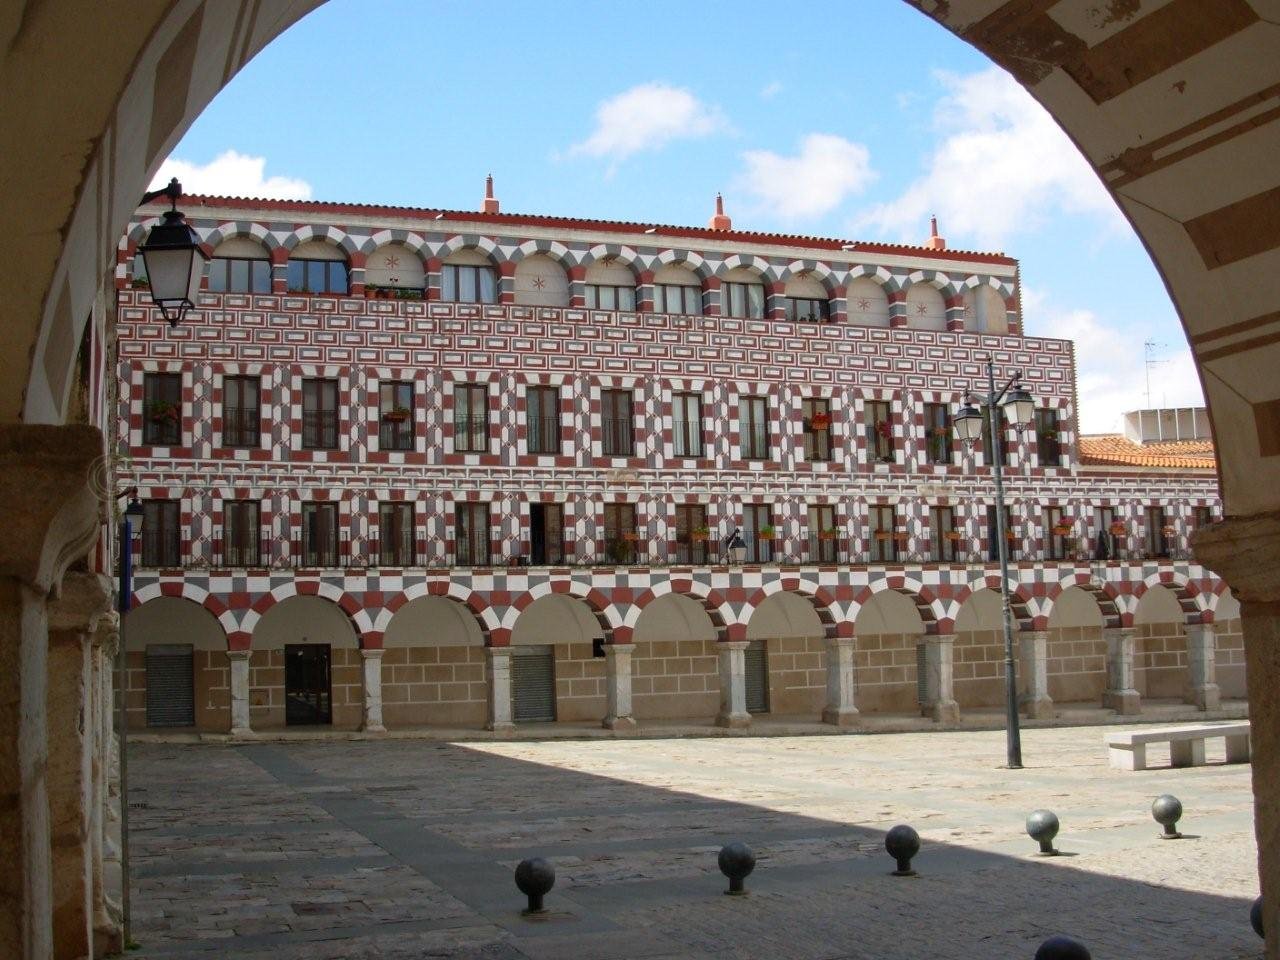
{"type": "Point", "coordinates": [534, 878]}
{"type": "Point", "coordinates": [1255, 918]}
{"type": "Point", "coordinates": [902, 842]}
{"type": "Point", "coordinates": [1063, 948]}
{"type": "Point", "coordinates": [1167, 811]}
{"type": "Point", "coordinates": [736, 862]}
{"type": "Point", "coordinates": [1042, 827]}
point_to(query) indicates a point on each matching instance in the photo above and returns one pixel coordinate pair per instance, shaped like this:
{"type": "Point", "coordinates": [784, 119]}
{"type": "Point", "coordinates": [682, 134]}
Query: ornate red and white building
{"type": "Point", "coordinates": [407, 467]}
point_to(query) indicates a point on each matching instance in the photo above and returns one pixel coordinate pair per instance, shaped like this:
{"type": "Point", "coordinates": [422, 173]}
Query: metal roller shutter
{"type": "Point", "coordinates": [533, 683]}
{"type": "Point", "coordinates": [922, 674]}
{"type": "Point", "coordinates": [171, 697]}
{"type": "Point", "coordinates": [757, 666]}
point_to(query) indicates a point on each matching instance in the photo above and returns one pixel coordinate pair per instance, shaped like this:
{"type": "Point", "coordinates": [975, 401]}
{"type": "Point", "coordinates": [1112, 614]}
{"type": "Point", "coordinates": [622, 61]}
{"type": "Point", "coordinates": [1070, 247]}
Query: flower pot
{"type": "Point", "coordinates": [396, 416]}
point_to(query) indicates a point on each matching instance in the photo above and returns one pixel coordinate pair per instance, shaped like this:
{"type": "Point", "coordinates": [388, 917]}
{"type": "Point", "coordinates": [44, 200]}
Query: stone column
{"type": "Point", "coordinates": [1035, 702]}
{"type": "Point", "coordinates": [107, 928]}
{"type": "Point", "coordinates": [841, 709]}
{"type": "Point", "coordinates": [733, 685]}
{"type": "Point", "coordinates": [372, 722]}
{"type": "Point", "coordinates": [1120, 694]}
{"type": "Point", "coordinates": [501, 714]}
{"type": "Point", "coordinates": [239, 663]}
{"type": "Point", "coordinates": [939, 678]}
{"type": "Point", "coordinates": [618, 684]}
{"type": "Point", "coordinates": [1202, 687]}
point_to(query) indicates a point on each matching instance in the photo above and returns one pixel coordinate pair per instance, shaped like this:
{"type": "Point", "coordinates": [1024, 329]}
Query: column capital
{"type": "Point", "coordinates": [372, 653]}
{"type": "Point", "coordinates": [833, 643]}
{"type": "Point", "coordinates": [618, 649]}
{"type": "Point", "coordinates": [1245, 552]}
{"type": "Point", "coordinates": [732, 644]}
{"type": "Point", "coordinates": [83, 601]}
{"type": "Point", "coordinates": [239, 654]}
{"type": "Point", "coordinates": [1119, 631]}
{"type": "Point", "coordinates": [497, 653]}
{"type": "Point", "coordinates": [107, 635]}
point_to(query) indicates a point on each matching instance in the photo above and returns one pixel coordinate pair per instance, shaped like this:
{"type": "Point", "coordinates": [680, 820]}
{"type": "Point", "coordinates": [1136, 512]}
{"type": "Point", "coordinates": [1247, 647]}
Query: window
{"type": "Point", "coordinates": [879, 431]}
{"type": "Point", "coordinates": [620, 532]}
{"type": "Point", "coordinates": [806, 309]}
{"type": "Point", "coordinates": [753, 428]}
{"type": "Point", "coordinates": [317, 276]}
{"type": "Point", "coordinates": [944, 538]}
{"type": "Point", "coordinates": [823, 545]}
{"type": "Point", "coordinates": [937, 434]}
{"type": "Point", "coordinates": [993, 535]}
{"type": "Point", "coordinates": [395, 534]}
{"type": "Point", "coordinates": [602, 296]}
{"type": "Point", "coordinates": [817, 429]}
{"type": "Point", "coordinates": [692, 533]}
{"type": "Point", "coordinates": [1110, 534]}
{"type": "Point", "coordinates": [320, 414]}
{"type": "Point", "coordinates": [677, 298]}
{"type": "Point", "coordinates": [161, 533]}
{"type": "Point", "coordinates": [1201, 517]}
{"type": "Point", "coordinates": [241, 534]}
{"type": "Point", "coordinates": [617, 423]}
{"type": "Point", "coordinates": [758, 532]}
{"type": "Point", "coordinates": [1047, 443]}
{"type": "Point", "coordinates": [546, 533]}
{"type": "Point", "coordinates": [742, 300]}
{"type": "Point", "coordinates": [467, 284]}
{"type": "Point", "coordinates": [395, 410]}
{"type": "Point", "coordinates": [320, 534]}
{"type": "Point", "coordinates": [989, 451]}
{"type": "Point", "coordinates": [542, 419]}
{"type": "Point", "coordinates": [881, 525]}
{"type": "Point", "coordinates": [471, 418]}
{"type": "Point", "coordinates": [1056, 532]}
{"type": "Point", "coordinates": [162, 409]}
{"type": "Point", "coordinates": [241, 411]}
{"type": "Point", "coordinates": [240, 275]}
{"type": "Point", "coordinates": [686, 424]}
{"type": "Point", "coordinates": [472, 535]}
{"type": "Point", "coordinates": [1157, 541]}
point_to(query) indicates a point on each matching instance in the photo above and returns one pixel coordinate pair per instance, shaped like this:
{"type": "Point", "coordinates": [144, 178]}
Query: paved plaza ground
{"type": "Point", "coordinates": [405, 849]}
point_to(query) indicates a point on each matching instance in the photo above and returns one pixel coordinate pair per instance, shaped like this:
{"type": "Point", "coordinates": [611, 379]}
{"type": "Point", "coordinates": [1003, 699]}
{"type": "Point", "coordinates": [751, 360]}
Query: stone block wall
{"type": "Point", "coordinates": [979, 668]}
{"type": "Point", "coordinates": [675, 679]}
{"type": "Point", "coordinates": [885, 672]}
{"type": "Point", "coordinates": [213, 690]}
{"type": "Point", "coordinates": [580, 682]}
{"type": "Point", "coordinates": [797, 674]}
{"type": "Point", "coordinates": [1230, 659]}
{"type": "Point", "coordinates": [1077, 664]}
{"type": "Point", "coordinates": [1160, 662]}
{"type": "Point", "coordinates": [434, 685]}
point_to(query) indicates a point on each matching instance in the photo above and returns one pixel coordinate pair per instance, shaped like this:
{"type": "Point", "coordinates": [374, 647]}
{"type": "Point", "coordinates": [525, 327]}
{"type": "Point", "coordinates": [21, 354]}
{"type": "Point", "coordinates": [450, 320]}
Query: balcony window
{"type": "Point", "coordinates": [162, 409]}
{"type": "Point", "coordinates": [1201, 517]}
{"type": "Point", "coordinates": [742, 300]}
{"type": "Point", "coordinates": [824, 547]}
{"type": "Point", "coordinates": [239, 275]}
{"type": "Point", "coordinates": [472, 535]}
{"type": "Point", "coordinates": [617, 423]}
{"type": "Point", "coordinates": [395, 534]}
{"type": "Point", "coordinates": [320, 534]}
{"type": "Point", "coordinates": [885, 538]}
{"type": "Point", "coordinates": [879, 431]}
{"type": "Point", "coordinates": [1048, 444]}
{"type": "Point", "coordinates": [1157, 540]}
{"type": "Point", "coordinates": [807, 310]}
{"type": "Point", "coordinates": [944, 538]}
{"type": "Point", "coordinates": [161, 533]}
{"type": "Point", "coordinates": [241, 533]}
{"type": "Point", "coordinates": [1057, 532]}
{"type": "Point", "coordinates": [988, 448]}
{"type": "Point", "coordinates": [937, 434]}
{"type": "Point", "coordinates": [395, 415]}
{"type": "Point", "coordinates": [993, 535]}
{"type": "Point", "coordinates": [471, 418]}
{"type": "Point", "coordinates": [692, 533]}
{"type": "Point", "coordinates": [621, 541]}
{"type": "Point", "coordinates": [241, 411]}
{"type": "Point", "coordinates": [318, 276]}
{"type": "Point", "coordinates": [546, 533]}
{"type": "Point", "coordinates": [1111, 534]}
{"type": "Point", "coordinates": [320, 414]}
{"type": "Point", "coordinates": [468, 284]}
{"type": "Point", "coordinates": [816, 414]}
{"type": "Point", "coordinates": [686, 424]}
{"type": "Point", "coordinates": [677, 298]}
{"type": "Point", "coordinates": [604, 296]}
{"type": "Point", "coordinates": [542, 419]}
{"type": "Point", "coordinates": [758, 532]}
{"type": "Point", "coordinates": [753, 427]}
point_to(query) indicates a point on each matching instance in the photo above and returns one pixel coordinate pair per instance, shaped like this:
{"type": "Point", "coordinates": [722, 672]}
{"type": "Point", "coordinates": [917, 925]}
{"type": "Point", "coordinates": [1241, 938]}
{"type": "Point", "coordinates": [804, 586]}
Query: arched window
{"type": "Point", "coordinates": [240, 265]}
{"type": "Point", "coordinates": [926, 310]}
{"type": "Point", "coordinates": [468, 276]}
{"type": "Point", "coordinates": [318, 267]}
{"type": "Point", "coordinates": [394, 266]}
{"type": "Point", "coordinates": [806, 300]}
{"type": "Point", "coordinates": [742, 294]}
{"type": "Point", "coordinates": [541, 282]}
{"type": "Point", "coordinates": [677, 289]}
{"type": "Point", "coordinates": [984, 310]}
{"type": "Point", "coordinates": [610, 286]}
{"type": "Point", "coordinates": [138, 271]}
{"type": "Point", "coordinates": [868, 303]}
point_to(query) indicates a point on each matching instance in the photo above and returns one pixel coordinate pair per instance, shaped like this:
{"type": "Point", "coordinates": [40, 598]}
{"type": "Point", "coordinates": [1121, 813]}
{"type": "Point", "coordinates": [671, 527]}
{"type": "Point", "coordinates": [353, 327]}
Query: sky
{"type": "Point", "coordinates": [857, 120]}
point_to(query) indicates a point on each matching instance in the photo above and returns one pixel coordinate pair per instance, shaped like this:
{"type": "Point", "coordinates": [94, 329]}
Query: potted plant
{"type": "Point", "coordinates": [1170, 530]}
{"type": "Point", "coordinates": [700, 534]}
{"type": "Point", "coordinates": [767, 532]}
{"type": "Point", "coordinates": [953, 535]}
{"type": "Point", "coordinates": [161, 411]}
{"type": "Point", "coordinates": [828, 534]}
{"type": "Point", "coordinates": [884, 429]}
{"type": "Point", "coordinates": [140, 283]}
{"type": "Point", "coordinates": [397, 414]}
{"type": "Point", "coordinates": [820, 421]}
{"type": "Point", "coordinates": [371, 291]}
{"type": "Point", "coordinates": [1117, 528]}
{"type": "Point", "coordinates": [1061, 528]}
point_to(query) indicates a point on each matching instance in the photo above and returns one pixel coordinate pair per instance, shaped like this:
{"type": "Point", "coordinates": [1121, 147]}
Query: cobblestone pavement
{"type": "Point", "coordinates": [405, 849]}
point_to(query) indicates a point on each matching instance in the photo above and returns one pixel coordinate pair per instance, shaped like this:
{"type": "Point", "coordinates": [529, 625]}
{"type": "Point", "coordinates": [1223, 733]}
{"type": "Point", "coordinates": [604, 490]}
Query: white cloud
{"type": "Point", "coordinates": [231, 174]}
{"type": "Point", "coordinates": [770, 90]}
{"type": "Point", "coordinates": [1001, 167]}
{"type": "Point", "coordinates": [648, 117]}
{"type": "Point", "coordinates": [1111, 372]}
{"type": "Point", "coordinates": [810, 183]}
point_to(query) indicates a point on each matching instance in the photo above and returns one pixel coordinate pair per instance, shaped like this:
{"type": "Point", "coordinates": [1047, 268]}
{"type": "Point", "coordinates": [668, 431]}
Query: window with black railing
{"type": "Point", "coordinates": [395, 413]}
{"type": "Point", "coordinates": [1157, 532]}
{"type": "Point", "coordinates": [622, 542]}
{"type": "Point", "coordinates": [241, 533]}
{"type": "Point", "coordinates": [471, 418]}
{"type": "Point", "coordinates": [806, 309]}
{"type": "Point", "coordinates": [471, 535]}
{"type": "Point", "coordinates": [1048, 444]}
{"type": "Point", "coordinates": [693, 536]}
{"type": "Point", "coordinates": [885, 538]}
{"type": "Point", "coordinates": [686, 424]}
{"type": "Point", "coordinates": [993, 535]}
{"type": "Point", "coordinates": [542, 419]}
{"type": "Point", "coordinates": [1057, 532]}
{"type": "Point", "coordinates": [1110, 537]}
{"type": "Point", "coordinates": [944, 538]}
{"type": "Point", "coordinates": [753, 427]}
{"type": "Point", "coordinates": [605, 296]}
{"type": "Point", "coordinates": [320, 534]}
{"type": "Point", "coordinates": [162, 409]}
{"type": "Point", "coordinates": [161, 533]}
{"type": "Point", "coordinates": [816, 413]}
{"type": "Point", "coordinates": [241, 411]}
{"type": "Point", "coordinates": [320, 414]}
{"type": "Point", "coordinates": [617, 423]}
{"type": "Point", "coordinates": [824, 547]}
{"type": "Point", "coordinates": [546, 533]}
{"type": "Point", "coordinates": [677, 298]}
{"type": "Point", "coordinates": [395, 534]}
{"type": "Point", "coordinates": [758, 532]}
{"type": "Point", "coordinates": [937, 434]}
{"type": "Point", "coordinates": [879, 426]}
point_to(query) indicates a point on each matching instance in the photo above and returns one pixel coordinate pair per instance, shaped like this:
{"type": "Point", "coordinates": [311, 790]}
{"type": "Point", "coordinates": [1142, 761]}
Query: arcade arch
{"type": "Point", "coordinates": [304, 666]}
{"type": "Point", "coordinates": [887, 629]}
{"type": "Point", "coordinates": [674, 667]}
{"type": "Point", "coordinates": [566, 631]}
{"type": "Point", "coordinates": [181, 644]}
{"type": "Point", "coordinates": [1160, 656]}
{"type": "Point", "coordinates": [1077, 652]}
{"type": "Point", "coordinates": [433, 665]}
{"type": "Point", "coordinates": [790, 632]}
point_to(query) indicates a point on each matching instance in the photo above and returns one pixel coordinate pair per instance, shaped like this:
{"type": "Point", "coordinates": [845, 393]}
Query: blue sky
{"type": "Point", "coordinates": [853, 120]}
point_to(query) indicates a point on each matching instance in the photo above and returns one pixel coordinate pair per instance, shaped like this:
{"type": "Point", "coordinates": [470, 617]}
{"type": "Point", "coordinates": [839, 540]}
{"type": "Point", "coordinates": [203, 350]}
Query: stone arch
{"type": "Point", "coordinates": [932, 612]}
{"type": "Point", "coordinates": [474, 242]}
{"type": "Point", "coordinates": [354, 610]}
{"type": "Point", "coordinates": [234, 229]}
{"type": "Point", "coordinates": [819, 598]}
{"type": "Point", "coordinates": [1161, 670]}
{"type": "Point", "coordinates": [687, 258]}
{"type": "Point", "coordinates": [189, 591]}
{"type": "Point", "coordinates": [881, 276]}
{"type": "Point", "coordinates": [674, 663]}
{"type": "Point", "coordinates": [1191, 601]}
{"type": "Point", "coordinates": [746, 261]}
{"type": "Point", "coordinates": [407, 238]}
{"type": "Point", "coordinates": [434, 620]}
{"type": "Point", "coordinates": [613, 253]}
{"type": "Point", "coordinates": [542, 279]}
{"type": "Point", "coordinates": [868, 302]}
{"type": "Point", "coordinates": [484, 614]}
{"type": "Point", "coordinates": [167, 610]}
{"type": "Point", "coordinates": [979, 650]}
{"type": "Point", "coordinates": [323, 612]}
{"type": "Point", "coordinates": [932, 278]}
{"type": "Point", "coordinates": [887, 629]}
{"type": "Point", "coordinates": [929, 296]}
{"type": "Point", "coordinates": [712, 601]}
{"type": "Point", "coordinates": [433, 663]}
{"type": "Point", "coordinates": [1104, 595]}
{"type": "Point", "coordinates": [607, 614]}
{"type": "Point", "coordinates": [793, 625]}
{"type": "Point", "coordinates": [325, 233]}
{"type": "Point", "coordinates": [411, 273]}
{"type": "Point", "coordinates": [1077, 647]}
{"type": "Point", "coordinates": [815, 269]}
{"type": "Point", "coordinates": [553, 249]}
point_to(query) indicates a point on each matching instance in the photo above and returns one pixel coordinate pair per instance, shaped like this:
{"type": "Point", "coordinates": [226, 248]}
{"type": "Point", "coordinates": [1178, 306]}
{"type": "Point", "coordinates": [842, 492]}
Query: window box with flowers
{"type": "Point", "coordinates": [1169, 530]}
{"type": "Point", "coordinates": [397, 415]}
{"type": "Point", "coordinates": [630, 536]}
{"type": "Point", "coordinates": [820, 421]}
{"type": "Point", "coordinates": [1061, 529]}
{"type": "Point", "coordinates": [1117, 529]}
{"type": "Point", "coordinates": [829, 534]}
{"type": "Point", "coordinates": [901, 536]}
{"type": "Point", "coordinates": [884, 535]}
{"type": "Point", "coordinates": [953, 535]}
{"type": "Point", "coordinates": [162, 411]}
{"type": "Point", "coordinates": [700, 534]}
{"type": "Point", "coordinates": [768, 533]}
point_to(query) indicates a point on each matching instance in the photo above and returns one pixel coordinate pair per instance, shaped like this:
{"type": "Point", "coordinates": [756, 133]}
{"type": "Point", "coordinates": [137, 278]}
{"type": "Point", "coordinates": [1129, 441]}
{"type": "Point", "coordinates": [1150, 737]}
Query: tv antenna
{"type": "Point", "coordinates": [1149, 349]}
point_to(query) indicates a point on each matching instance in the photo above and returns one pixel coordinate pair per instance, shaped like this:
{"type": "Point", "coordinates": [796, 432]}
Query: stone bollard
{"type": "Point", "coordinates": [1042, 826]}
{"type": "Point", "coordinates": [902, 843]}
{"type": "Point", "coordinates": [535, 878]}
{"type": "Point", "coordinates": [736, 862]}
{"type": "Point", "coordinates": [1063, 948]}
{"type": "Point", "coordinates": [1167, 811]}
{"type": "Point", "coordinates": [1255, 918]}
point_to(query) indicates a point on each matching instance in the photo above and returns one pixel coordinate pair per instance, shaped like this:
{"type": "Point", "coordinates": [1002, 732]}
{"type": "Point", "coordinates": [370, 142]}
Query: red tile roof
{"type": "Point", "coordinates": [1113, 450]}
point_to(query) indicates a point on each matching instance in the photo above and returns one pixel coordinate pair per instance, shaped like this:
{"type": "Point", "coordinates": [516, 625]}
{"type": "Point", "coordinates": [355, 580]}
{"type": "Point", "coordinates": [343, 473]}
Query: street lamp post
{"type": "Point", "coordinates": [130, 526]}
{"type": "Point", "coordinates": [967, 422]}
{"type": "Point", "coordinates": [174, 259]}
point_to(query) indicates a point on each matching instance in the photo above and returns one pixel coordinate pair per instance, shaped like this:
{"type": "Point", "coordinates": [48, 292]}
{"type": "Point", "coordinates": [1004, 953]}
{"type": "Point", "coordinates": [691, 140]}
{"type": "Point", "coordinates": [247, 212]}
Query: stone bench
{"type": "Point", "coordinates": [1128, 750]}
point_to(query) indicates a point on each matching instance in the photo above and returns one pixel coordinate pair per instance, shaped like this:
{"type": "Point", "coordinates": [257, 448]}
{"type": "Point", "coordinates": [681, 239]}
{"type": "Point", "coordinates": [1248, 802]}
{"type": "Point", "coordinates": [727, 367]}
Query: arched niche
{"type": "Point", "coordinates": [1077, 649]}
{"type": "Point", "coordinates": [317, 250]}
{"type": "Point", "coordinates": [1160, 660]}
{"type": "Point", "coordinates": [433, 666]}
{"type": "Point", "coordinates": [395, 265]}
{"type": "Point", "coordinates": [304, 620]}
{"type": "Point", "coordinates": [678, 275]}
{"type": "Point", "coordinates": [887, 629]}
{"type": "Point", "coordinates": [433, 622]}
{"type": "Point", "coordinates": [926, 309]}
{"type": "Point", "coordinates": [784, 615]}
{"type": "Point", "coordinates": [979, 651]}
{"type": "Point", "coordinates": [795, 652]}
{"type": "Point", "coordinates": [246, 248]}
{"type": "Point", "coordinates": [174, 620]}
{"type": "Point", "coordinates": [984, 310]}
{"type": "Point", "coordinates": [674, 667]}
{"type": "Point", "coordinates": [612, 272]}
{"type": "Point", "coordinates": [177, 622]}
{"type": "Point", "coordinates": [809, 288]}
{"type": "Point", "coordinates": [541, 282]}
{"type": "Point", "coordinates": [1075, 609]}
{"type": "Point", "coordinates": [568, 626]}
{"type": "Point", "coordinates": [742, 275]}
{"type": "Point", "coordinates": [868, 304]}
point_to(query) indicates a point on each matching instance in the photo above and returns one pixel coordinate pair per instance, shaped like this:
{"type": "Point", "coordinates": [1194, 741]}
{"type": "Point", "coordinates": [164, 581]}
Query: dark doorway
{"type": "Point", "coordinates": [546, 533]}
{"type": "Point", "coordinates": [306, 684]}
